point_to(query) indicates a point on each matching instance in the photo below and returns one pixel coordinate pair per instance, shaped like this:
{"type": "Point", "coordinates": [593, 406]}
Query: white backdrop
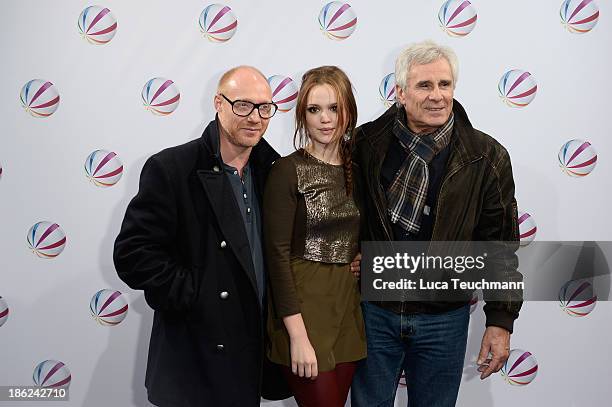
{"type": "Point", "coordinates": [100, 107]}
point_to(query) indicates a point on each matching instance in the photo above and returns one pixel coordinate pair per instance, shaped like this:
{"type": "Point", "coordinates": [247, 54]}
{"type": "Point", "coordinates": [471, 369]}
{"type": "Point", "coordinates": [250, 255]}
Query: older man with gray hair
{"type": "Point", "coordinates": [423, 173]}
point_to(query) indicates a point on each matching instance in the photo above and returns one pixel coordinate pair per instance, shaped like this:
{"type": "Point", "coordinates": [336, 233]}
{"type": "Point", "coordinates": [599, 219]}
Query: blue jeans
{"type": "Point", "coordinates": [429, 348]}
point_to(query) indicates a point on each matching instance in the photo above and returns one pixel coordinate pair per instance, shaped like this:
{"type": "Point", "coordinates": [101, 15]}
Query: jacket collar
{"type": "Point", "coordinates": [467, 147]}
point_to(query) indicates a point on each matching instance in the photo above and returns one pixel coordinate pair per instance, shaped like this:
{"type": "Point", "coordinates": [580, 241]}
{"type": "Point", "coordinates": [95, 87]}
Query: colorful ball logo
{"type": "Point", "coordinates": [527, 228]}
{"type": "Point", "coordinates": [103, 168]}
{"type": "Point", "coordinates": [4, 311]}
{"type": "Point", "coordinates": [577, 298]}
{"type": "Point", "coordinates": [40, 98]}
{"type": "Point", "coordinates": [457, 17]}
{"type": "Point", "coordinates": [579, 16]}
{"type": "Point", "coordinates": [284, 92]}
{"type": "Point", "coordinates": [517, 88]}
{"type": "Point", "coordinates": [577, 158]}
{"type": "Point", "coordinates": [108, 307]}
{"type": "Point", "coordinates": [97, 25]}
{"type": "Point", "coordinates": [52, 374]}
{"type": "Point", "coordinates": [386, 90]}
{"type": "Point", "coordinates": [218, 23]}
{"type": "Point", "coordinates": [337, 20]}
{"type": "Point", "coordinates": [46, 239]}
{"type": "Point", "coordinates": [520, 368]}
{"type": "Point", "coordinates": [160, 96]}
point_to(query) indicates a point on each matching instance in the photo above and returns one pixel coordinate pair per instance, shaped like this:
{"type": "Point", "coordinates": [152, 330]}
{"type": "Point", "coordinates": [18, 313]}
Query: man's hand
{"type": "Point", "coordinates": [356, 265]}
{"type": "Point", "coordinates": [494, 351]}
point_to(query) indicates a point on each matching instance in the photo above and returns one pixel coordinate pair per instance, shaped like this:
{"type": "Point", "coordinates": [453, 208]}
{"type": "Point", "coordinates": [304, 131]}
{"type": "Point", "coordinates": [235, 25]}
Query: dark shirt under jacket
{"type": "Point", "coordinates": [244, 191]}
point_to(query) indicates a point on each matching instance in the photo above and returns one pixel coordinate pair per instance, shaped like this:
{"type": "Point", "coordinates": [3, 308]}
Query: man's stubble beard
{"type": "Point", "coordinates": [236, 140]}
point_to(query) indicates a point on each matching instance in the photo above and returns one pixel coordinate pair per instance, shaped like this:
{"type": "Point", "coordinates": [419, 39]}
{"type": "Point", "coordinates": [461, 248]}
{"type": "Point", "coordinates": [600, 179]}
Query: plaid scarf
{"type": "Point", "coordinates": [407, 193]}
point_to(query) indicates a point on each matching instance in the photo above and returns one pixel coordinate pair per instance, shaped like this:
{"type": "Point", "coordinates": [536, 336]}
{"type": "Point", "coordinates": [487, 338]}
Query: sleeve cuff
{"type": "Point", "coordinates": [288, 310]}
{"type": "Point", "coordinates": [502, 319]}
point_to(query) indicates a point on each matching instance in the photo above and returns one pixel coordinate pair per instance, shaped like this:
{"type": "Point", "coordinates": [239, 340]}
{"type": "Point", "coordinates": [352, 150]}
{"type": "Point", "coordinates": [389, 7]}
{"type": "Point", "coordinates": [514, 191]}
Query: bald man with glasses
{"type": "Point", "coordinates": [191, 240]}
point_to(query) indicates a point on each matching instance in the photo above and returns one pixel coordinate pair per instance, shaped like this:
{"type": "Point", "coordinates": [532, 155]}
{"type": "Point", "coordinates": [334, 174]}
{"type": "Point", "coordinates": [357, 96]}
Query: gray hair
{"type": "Point", "coordinates": [423, 53]}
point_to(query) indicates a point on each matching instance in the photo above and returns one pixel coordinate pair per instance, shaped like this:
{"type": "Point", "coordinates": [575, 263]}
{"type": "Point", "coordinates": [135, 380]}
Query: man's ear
{"type": "Point", "coordinates": [217, 102]}
{"type": "Point", "coordinates": [400, 96]}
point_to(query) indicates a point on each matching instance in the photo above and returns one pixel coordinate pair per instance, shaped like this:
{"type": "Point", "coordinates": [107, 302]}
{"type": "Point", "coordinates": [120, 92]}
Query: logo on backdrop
{"type": "Point", "coordinates": [577, 158]}
{"type": "Point", "coordinates": [527, 228]}
{"type": "Point", "coordinates": [577, 298]}
{"type": "Point", "coordinates": [0, 170]}
{"type": "Point", "coordinates": [108, 307]}
{"type": "Point", "coordinates": [46, 239]}
{"type": "Point", "coordinates": [218, 23]}
{"type": "Point", "coordinates": [520, 369]}
{"type": "Point", "coordinates": [52, 374]}
{"type": "Point", "coordinates": [103, 168]}
{"type": "Point", "coordinates": [4, 311]}
{"type": "Point", "coordinates": [284, 92]}
{"type": "Point", "coordinates": [160, 96]}
{"type": "Point", "coordinates": [39, 97]}
{"type": "Point", "coordinates": [517, 88]}
{"type": "Point", "coordinates": [386, 90]}
{"type": "Point", "coordinates": [579, 16]}
{"type": "Point", "coordinates": [97, 25]}
{"type": "Point", "coordinates": [457, 17]}
{"type": "Point", "coordinates": [337, 20]}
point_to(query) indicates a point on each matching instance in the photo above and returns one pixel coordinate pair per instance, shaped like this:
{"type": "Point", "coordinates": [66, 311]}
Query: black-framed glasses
{"type": "Point", "coordinates": [244, 108]}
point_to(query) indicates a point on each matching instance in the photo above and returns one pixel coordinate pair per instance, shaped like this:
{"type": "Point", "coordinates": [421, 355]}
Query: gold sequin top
{"type": "Point", "coordinates": [306, 214]}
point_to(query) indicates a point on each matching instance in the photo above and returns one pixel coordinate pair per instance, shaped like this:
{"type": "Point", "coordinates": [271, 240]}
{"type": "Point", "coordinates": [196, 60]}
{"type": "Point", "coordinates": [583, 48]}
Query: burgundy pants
{"type": "Point", "coordinates": [329, 389]}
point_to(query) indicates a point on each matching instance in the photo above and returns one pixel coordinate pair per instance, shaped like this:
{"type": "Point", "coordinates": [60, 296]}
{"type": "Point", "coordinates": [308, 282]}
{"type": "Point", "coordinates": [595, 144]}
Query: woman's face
{"type": "Point", "coordinates": [322, 115]}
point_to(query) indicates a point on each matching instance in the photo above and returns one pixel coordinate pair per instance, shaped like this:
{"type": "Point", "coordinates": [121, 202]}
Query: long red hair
{"type": "Point", "coordinates": [347, 114]}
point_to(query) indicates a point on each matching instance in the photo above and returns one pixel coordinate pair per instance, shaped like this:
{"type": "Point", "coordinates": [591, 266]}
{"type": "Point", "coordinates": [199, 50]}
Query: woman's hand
{"type": "Point", "coordinates": [356, 265]}
{"type": "Point", "coordinates": [303, 358]}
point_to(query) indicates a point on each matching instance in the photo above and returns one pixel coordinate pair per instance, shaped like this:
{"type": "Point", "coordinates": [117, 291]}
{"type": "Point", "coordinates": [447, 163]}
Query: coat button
{"type": "Point", "coordinates": [216, 168]}
{"type": "Point", "coordinates": [223, 295]}
{"type": "Point", "coordinates": [223, 244]}
{"type": "Point", "coordinates": [220, 348]}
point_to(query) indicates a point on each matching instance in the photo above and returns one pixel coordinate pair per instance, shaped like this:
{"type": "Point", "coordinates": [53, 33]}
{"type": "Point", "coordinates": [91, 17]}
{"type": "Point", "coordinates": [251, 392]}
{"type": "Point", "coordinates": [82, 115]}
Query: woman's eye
{"type": "Point", "coordinates": [334, 108]}
{"type": "Point", "coordinates": [312, 109]}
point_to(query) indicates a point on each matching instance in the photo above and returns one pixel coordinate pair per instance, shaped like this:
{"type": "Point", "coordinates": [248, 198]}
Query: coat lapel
{"type": "Point", "coordinates": [223, 202]}
{"type": "Point", "coordinates": [226, 210]}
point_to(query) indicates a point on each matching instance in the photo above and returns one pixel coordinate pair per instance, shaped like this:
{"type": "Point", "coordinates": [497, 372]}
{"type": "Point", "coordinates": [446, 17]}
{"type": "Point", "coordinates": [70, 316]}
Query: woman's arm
{"type": "Point", "coordinates": [280, 206]}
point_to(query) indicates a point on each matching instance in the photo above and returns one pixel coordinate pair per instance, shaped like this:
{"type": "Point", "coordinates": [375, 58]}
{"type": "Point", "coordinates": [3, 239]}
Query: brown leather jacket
{"type": "Point", "coordinates": [475, 203]}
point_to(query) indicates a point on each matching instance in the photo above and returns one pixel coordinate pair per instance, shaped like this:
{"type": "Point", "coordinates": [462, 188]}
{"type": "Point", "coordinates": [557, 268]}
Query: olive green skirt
{"type": "Point", "coordinates": [329, 302]}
